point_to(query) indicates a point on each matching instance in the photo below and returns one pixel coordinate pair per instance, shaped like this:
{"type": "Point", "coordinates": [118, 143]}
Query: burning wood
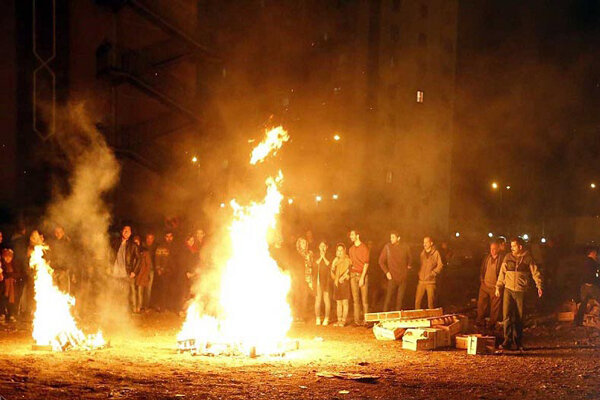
{"type": "Point", "coordinates": [53, 325]}
{"type": "Point", "coordinates": [252, 285]}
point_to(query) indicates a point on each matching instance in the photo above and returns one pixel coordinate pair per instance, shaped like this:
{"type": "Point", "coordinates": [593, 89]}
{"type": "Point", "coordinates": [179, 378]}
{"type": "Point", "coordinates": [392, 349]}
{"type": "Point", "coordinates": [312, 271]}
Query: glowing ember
{"type": "Point", "coordinates": [255, 316]}
{"type": "Point", "coordinates": [53, 324]}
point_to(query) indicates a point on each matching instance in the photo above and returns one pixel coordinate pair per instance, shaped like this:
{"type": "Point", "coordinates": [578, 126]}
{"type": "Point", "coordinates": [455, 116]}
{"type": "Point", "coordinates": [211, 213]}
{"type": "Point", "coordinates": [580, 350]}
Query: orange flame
{"type": "Point", "coordinates": [253, 298]}
{"type": "Point", "coordinates": [53, 324]}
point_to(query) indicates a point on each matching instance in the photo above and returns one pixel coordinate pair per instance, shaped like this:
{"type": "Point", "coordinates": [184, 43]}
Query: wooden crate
{"type": "Point", "coordinates": [419, 344]}
{"type": "Point", "coordinates": [481, 344]}
{"type": "Point", "coordinates": [383, 333]}
{"type": "Point", "coordinates": [463, 340]}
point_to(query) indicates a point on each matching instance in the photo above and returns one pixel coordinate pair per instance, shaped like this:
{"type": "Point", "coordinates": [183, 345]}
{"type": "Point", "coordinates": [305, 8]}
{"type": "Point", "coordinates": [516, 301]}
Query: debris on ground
{"type": "Point", "coordinates": [349, 376]}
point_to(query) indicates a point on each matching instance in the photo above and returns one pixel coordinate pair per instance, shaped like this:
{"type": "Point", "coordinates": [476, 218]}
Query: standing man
{"type": "Point", "coordinates": [488, 276]}
{"type": "Point", "coordinates": [395, 261]}
{"type": "Point", "coordinates": [127, 263]}
{"type": "Point", "coordinates": [431, 266]}
{"type": "Point", "coordinates": [164, 270]}
{"type": "Point", "coordinates": [359, 281]}
{"type": "Point", "coordinates": [513, 277]}
{"type": "Point", "coordinates": [590, 283]}
{"type": "Point", "coordinates": [60, 252]}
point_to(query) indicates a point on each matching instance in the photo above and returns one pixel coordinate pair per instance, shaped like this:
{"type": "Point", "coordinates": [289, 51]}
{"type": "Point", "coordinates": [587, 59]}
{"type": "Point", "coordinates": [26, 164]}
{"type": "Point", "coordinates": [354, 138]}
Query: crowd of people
{"type": "Point", "coordinates": [159, 275]}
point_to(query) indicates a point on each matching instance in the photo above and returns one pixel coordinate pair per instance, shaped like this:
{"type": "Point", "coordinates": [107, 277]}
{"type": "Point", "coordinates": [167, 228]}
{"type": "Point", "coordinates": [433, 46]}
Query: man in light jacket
{"type": "Point", "coordinates": [514, 278]}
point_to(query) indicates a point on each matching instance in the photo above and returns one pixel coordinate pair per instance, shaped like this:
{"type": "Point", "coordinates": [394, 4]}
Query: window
{"type": "Point", "coordinates": [396, 5]}
{"type": "Point", "coordinates": [424, 10]}
{"type": "Point", "coordinates": [420, 96]}
{"type": "Point", "coordinates": [395, 33]}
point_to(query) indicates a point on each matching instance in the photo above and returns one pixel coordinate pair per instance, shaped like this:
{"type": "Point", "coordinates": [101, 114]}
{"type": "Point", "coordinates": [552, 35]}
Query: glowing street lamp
{"type": "Point", "coordinates": [525, 236]}
{"type": "Point", "coordinates": [290, 201]}
{"type": "Point", "coordinates": [335, 197]}
{"type": "Point", "coordinates": [457, 234]}
{"type": "Point", "coordinates": [543, 240]}
{"type": "Point", "coordinates": [194, 159]}
{"type": "Point", "coordinates": [336, 137]}
{"type": "Point", "coordinates": [592, 185]}
{"type": "Point", "coordinates": [318, 198]}
{"type": "Point", "coordinates": [507, 187]}
{"type": "Point", "coordinates": [494, 185]}
{"type": "Point", "coordinates": [222, 205]}
{"type": "Point", "coordinates": [490, 235]}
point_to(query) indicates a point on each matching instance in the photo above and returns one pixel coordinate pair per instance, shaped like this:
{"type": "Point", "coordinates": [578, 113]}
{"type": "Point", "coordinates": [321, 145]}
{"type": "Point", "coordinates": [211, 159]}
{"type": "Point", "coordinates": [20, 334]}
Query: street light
{"type": "Point", "coordinates": [457, 234]}
{"type": "Point", "coordinates": [222, 205]}
{"type": "Point", "coordinates": [494, 185]}
{"type": "Point", "coordinates": [525, 236]}
{"type": "Point", "coordinates": [194, 159]}
{"type": "Point", "coordinates": [335, 197]}
{"type": "Point", "coordinates": [336, 137]}
{"type": "Point", "coordinates": [318, 198]}
{"type": "Point", "coordinates": [507, 187]}
{"type": "Point", "coordinates": [490, 235]}
{"type": "Point", "coordinates": [290, 201]}
{"type": "Point", "coordinates": [592, 185]}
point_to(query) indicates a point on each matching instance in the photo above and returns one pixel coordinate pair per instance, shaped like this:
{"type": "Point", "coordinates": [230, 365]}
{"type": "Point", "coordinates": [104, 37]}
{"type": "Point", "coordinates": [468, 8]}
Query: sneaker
{"type": "Point", "coordinates": [504, 346]}
{"type": "Point", "coordinates": [326, 322]}
{"type": "Point", "coordinates": [318, 321]}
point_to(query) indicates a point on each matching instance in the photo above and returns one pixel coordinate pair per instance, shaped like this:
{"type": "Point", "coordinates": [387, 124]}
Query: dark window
{"type": "Point", "coordinates": [395, 33]}
{"type": "Point", "coordinates": [396, 4]}
{"type": "Point", "coordinates": [424, 10]}
{"type": "Point", "coordinates": [422, 40]}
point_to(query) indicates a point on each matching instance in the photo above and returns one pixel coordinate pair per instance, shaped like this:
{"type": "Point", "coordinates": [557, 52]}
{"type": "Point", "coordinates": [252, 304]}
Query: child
{"type": "Point", "coordinates": [340, 273]}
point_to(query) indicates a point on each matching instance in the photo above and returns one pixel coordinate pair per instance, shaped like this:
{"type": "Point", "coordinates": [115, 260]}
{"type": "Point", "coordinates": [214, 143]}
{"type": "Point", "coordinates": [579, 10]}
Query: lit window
{"type": "Point", "coordinates": [420, 96]}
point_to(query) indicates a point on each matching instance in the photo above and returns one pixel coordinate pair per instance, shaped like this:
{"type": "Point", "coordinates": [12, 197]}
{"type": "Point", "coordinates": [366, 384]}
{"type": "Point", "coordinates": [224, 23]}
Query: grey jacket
{"type": "Point", "coordinates": [515, 270]}
{"type": "Point", "coordinates": [431, 266]}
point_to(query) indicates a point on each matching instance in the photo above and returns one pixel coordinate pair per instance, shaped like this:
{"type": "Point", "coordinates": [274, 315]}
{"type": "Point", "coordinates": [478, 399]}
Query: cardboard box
{"type": "Point", "coordinates": [462, 341]}
{"type": "Point", "coordinates": [481, 345]}
{"type": "Point", "coordinates": [404, 314]}
{"type": "Point", "coordinates": [419, 344]}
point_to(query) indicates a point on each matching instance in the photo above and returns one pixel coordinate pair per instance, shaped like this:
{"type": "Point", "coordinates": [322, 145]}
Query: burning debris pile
{"type": "Point", "coordinates": [254, 315]}
{"type": "Point", "coordinates": [53, 326]}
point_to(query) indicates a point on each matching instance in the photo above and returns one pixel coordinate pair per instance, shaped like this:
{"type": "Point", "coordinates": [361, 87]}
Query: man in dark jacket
{"type": "Point", "coordinates": [590, 282]}
{"type": "Point", "coordinates": [395, 261]}
{"type": "Point", "coordinates": [127, 262]}
{"type": "Point", "coordinates": [514, 274]}
{"type": "Point", "coordinates": [488, 276]}
{"type": "Point", "coordinates": [431, 267]}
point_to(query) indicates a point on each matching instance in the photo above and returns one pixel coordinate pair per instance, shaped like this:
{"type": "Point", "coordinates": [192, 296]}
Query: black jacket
{"type": "Point", "coordinates": [132, 255]}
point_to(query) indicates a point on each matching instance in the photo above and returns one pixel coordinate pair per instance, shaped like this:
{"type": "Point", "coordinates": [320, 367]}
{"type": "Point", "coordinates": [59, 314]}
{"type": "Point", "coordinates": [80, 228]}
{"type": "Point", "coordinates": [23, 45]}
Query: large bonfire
{"type": "Point", "coordinates": [254, 313]}
{"type": "Point", "coordinates": [53, 324]}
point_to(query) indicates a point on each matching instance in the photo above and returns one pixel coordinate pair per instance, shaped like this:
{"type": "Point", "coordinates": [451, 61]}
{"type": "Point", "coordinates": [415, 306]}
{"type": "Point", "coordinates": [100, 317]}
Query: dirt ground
{"type": "Point", "coordinates": [561, 362]}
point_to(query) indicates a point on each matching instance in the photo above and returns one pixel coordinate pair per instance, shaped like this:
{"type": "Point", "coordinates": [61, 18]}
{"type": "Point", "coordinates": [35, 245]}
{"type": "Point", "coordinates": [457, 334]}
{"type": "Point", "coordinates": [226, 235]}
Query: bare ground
{"type": "Point", "coordinates": [561, 362]}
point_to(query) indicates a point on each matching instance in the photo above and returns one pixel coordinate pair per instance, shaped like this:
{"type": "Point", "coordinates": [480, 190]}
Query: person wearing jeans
{"type": "Point", "coordinates": [431, 266]}
{"type": "Point", "coordinates": [359, 281]}
{"type": "Point", "coordinates": [514, 277]}
{"type": "Point", "coordinates": [395, 261]}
